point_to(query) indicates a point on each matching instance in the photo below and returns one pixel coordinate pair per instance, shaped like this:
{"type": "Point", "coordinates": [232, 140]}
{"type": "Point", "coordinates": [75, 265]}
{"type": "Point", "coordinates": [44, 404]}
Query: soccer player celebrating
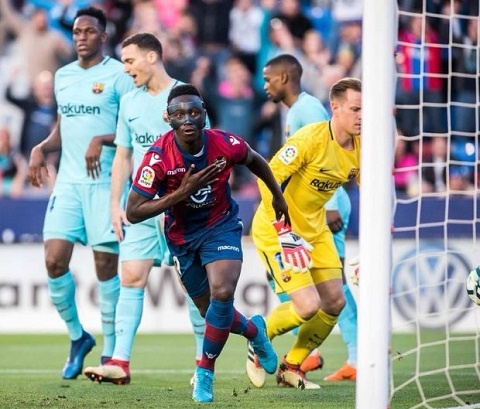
{"type": "Point", "coordinates": [143, 245]}
{"type": "Point", "coordinates": [303, 261]}
{"type": "Point", "coordinates": [282, 77]}
{"type": "Point", "coordinates": [88, 93]}
{"type": "Point", "coordinates": [188, 168]}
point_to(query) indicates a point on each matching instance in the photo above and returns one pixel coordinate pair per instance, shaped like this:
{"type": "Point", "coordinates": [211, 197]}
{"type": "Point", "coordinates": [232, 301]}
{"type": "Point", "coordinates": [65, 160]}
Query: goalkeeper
{"type": "Point", "coordinates": [303, 261]}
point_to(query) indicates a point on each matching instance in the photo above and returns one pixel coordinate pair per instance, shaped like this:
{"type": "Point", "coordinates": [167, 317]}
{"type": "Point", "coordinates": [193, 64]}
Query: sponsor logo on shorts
{"type": "Point", "coordinates": [288, 154]}
{"type": "Point", "coordinates": [233, 248]}
{"type": "Point", "coordinates": [146, 177]}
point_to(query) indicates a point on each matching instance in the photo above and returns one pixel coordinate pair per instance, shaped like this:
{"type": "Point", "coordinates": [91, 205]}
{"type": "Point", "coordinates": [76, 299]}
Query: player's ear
{"type": "Point", "coordinates": [166, 118]}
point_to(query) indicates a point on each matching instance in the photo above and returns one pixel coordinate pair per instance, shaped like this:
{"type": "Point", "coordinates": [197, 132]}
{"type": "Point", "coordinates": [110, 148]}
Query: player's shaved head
{"type": "Point", "coordinates": [145, 41]}
{"type": "Point", "coordinates": [96, 13]}
{"type": "Point", "coordinates": [184, 89]}
{"type": "Point", "coordinates": [289, 64]}
{"type": "Point", "coordinates": [338, 90]}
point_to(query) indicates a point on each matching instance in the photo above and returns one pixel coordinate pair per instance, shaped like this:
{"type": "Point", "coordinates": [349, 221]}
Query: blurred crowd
{"type": "Point", "coordinates": [221, 47]}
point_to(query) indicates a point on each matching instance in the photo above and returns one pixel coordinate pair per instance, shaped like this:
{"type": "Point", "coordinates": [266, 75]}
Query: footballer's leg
{"type": "Point", "coordinates": [347, 322]}
{"type": "Point", "coordinates": [127, 319]}
{"type": "Point", "coordinates": [61, 287]}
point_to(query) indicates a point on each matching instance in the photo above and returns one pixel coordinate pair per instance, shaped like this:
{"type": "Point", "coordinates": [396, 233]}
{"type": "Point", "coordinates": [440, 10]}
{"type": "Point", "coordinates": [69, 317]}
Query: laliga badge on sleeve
{"type": "Point", "coordinates": [288, 154]}
{"type": "Point", "coordinates": [146, 177]}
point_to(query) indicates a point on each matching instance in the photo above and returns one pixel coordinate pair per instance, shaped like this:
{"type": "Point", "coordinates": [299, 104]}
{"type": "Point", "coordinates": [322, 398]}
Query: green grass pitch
{"type": "Point", "coordinates": [30, 376]}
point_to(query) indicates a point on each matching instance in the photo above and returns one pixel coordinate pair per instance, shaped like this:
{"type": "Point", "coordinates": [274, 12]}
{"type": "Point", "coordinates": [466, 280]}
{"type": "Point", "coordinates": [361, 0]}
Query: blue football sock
{"type": "Point", "coordinates": [62, 294]}
{"type": "Point", "coordinates": [198, 326]}
{"type": "Point", "coordinates": [108, 295]}
{"type": "Point", "coordinates": [347, 321]}
{"type": "Point", "coordinates": [127, 319]}
{"type": "Point", "coordinates": [218, 321]}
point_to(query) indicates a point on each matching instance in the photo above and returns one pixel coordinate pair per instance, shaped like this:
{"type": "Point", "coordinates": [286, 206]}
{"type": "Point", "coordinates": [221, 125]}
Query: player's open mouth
{"type": "Point", "coordinates": [190, 130]}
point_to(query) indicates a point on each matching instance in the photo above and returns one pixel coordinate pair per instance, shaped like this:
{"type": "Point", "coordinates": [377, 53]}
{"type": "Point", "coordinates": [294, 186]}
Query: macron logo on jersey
{"type": "Point", "coordinates": [79, 110]}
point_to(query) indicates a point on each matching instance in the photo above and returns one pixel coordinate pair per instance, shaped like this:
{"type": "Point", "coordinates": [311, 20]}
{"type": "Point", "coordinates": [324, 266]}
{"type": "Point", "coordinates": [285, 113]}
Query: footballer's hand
{"type": "Point", "coordinates": [192, 182]}
{"type": "Point", "coordinates": [119, 220]}
{"type": "Point", "coordinates": [334, 221]}
{"type": "Point", "coordinates": [281, 209]}
{"type": "Point", "coordinates": [295, 250]}
{"type": "Point", "coordinates": [35, 166]}
{"type": "Point", "coordinates": [355, 276]}
{"type": "Point", "coordinates": [92, 157]}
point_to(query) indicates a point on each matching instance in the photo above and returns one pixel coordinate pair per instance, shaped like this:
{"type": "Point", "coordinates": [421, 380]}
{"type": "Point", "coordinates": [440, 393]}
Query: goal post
{"type": "Point", "coordinates": [378, 72]}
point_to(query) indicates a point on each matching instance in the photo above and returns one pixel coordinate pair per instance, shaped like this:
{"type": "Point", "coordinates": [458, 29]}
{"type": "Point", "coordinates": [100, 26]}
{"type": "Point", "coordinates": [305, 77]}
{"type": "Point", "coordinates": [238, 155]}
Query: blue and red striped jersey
{"type": "Point", "coordinates": [163, 168]}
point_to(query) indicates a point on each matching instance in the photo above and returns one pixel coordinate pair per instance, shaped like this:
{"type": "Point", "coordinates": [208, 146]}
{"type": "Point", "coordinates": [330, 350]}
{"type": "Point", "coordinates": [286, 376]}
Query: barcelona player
{"type": "Point", "coordinates": [304, 263]}
{"type": "Point", "coordinates": [142, 245]}
{"type": "Point", "coordinates": [188, 168]}
{"type": "Point", "coordinates": [88, 93]}
{"type": "Point", "coordinates": [282, 76]}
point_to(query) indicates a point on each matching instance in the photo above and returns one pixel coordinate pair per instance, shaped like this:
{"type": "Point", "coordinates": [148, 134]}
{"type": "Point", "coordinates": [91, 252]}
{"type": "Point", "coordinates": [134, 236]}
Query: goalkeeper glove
{"type": "Point", "coordinates": [295, 250]}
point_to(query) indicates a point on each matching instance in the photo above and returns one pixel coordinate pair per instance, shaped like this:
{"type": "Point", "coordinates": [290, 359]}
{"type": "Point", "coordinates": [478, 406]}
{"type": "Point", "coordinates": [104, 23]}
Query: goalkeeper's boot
{"type": "Point", "coordinates": [255, 371]}
{"type": "Point", "coordinates": [262, 347]}
{"type": "Point", "coordinates": [312, 362]}
{"type": "Point", "coordinates": [78, 351]}
{"type": "Point", "coordinates": [346, 373]}
{"type": "Point", "coordinates": [114, 371]}
{"type": "Point", "coordinates": [203, 385]}
{"type": "Point", "coordinates": [292, 376]}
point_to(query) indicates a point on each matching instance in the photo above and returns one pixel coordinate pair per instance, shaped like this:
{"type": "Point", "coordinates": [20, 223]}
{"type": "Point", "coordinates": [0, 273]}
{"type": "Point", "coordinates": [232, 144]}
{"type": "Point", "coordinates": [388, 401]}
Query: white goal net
{"type": "Point", "coordinates": [435, 346]}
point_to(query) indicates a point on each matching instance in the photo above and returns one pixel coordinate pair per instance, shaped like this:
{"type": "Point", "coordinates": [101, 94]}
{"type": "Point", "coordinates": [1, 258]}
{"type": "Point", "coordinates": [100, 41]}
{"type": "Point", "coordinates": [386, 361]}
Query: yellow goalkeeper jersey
{"type": "Point", "coordinates": [310, 167]}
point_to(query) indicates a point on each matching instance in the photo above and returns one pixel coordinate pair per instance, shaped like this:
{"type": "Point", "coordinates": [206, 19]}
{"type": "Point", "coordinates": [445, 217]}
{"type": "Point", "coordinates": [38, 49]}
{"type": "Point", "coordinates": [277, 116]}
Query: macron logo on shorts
{"type": "Point", "coordinates": [233, 248]}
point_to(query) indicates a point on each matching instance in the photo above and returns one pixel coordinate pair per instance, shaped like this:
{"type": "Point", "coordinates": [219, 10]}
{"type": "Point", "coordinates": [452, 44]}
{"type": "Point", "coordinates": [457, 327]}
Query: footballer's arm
{"type": "Point", "coordinates": [140, 207]}
{"type": "Point", "coordinates": [52, 143]}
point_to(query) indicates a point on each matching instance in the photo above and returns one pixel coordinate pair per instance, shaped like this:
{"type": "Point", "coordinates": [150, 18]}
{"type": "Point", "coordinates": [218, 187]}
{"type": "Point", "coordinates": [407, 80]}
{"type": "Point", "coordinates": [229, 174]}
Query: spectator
{"type": "Point", "coordinates": [13, 167]}
{"type": "Point", "coordinates": [421, 62]}
{"type": "Point", "coordinates": [245, 24]}
{"type": "Point", "coordinates": [39, 111]}
{"type": "Point", "coordinates": [292, 16]}
{"type": "Point", "coordinates": [434, 168]}
{"type": "Point", "coordinates": [37, 47]}
{"type": "Point", "coordinates": [406, 168]}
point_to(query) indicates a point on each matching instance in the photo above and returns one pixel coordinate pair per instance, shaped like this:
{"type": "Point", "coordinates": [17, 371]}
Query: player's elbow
{"type": "Point", "coordinates": [133, 215]}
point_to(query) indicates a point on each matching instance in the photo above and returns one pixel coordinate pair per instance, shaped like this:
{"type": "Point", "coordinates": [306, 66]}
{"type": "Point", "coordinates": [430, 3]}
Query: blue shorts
{"type": "Point", "coordinates": [144, 241]}
{"type": "Point", "coordinates": [80, 213]}
{"type": "Point", "coordinates": [222, 242]}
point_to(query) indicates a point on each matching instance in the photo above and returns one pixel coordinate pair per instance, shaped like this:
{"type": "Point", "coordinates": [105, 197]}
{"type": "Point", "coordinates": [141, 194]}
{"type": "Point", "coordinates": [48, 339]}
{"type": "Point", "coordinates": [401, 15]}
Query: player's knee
{"type": "Point", "coordinates": [308, 308]}
{"type": "Point", "coordinates": [334, 306]}
{"type": "Point", "coordinates": [56, 267]}
{"type": "Point", "coordinates": [224, 293]}
{"type": "Point", "coordinates": [106, 265]}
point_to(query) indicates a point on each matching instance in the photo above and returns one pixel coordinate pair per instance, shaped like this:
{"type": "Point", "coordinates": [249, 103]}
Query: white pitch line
{"type": "Point", "coordinates": [5, 371]}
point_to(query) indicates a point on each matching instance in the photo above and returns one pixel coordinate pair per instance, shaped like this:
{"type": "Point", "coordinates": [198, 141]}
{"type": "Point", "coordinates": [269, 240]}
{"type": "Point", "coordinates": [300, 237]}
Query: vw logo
{"type": "Point", "coordinates": [428, 286]}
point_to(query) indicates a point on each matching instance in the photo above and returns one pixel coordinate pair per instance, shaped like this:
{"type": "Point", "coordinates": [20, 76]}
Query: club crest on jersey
{"type": "Point", "coordinates": [98, 87]}
{"type": "Point", "coordinates": [288, 154]}
{"type": "Point", "coordinates": [353, 173]}
{"type": "Point", "coordinates": [146, 177]}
